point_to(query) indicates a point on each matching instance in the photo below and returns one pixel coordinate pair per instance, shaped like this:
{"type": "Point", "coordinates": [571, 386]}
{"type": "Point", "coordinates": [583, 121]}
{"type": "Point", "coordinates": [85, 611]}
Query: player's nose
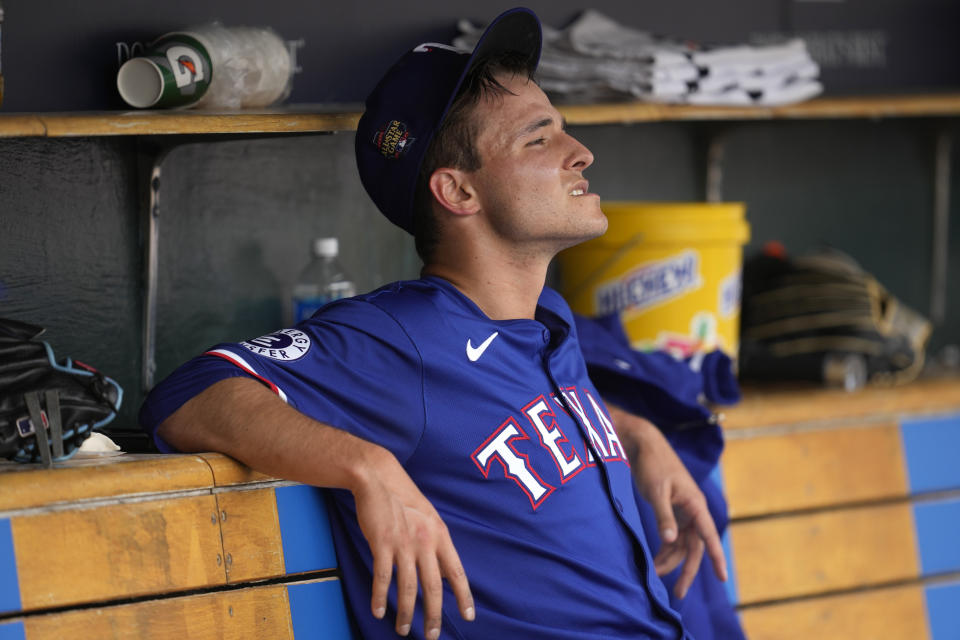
{"type": "Point", "coordinates": [579, 157]}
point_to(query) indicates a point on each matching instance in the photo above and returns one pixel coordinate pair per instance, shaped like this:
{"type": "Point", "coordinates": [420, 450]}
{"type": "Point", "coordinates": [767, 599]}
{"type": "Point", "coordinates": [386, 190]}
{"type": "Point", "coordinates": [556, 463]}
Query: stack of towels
{"type": "Point", "coordinates": [596, 59]}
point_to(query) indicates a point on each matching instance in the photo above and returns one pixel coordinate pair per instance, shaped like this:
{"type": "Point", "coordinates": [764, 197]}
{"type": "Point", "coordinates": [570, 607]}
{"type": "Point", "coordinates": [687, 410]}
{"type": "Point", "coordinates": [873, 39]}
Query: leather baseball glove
{"type": "Point", "coordinates": [47, 407]}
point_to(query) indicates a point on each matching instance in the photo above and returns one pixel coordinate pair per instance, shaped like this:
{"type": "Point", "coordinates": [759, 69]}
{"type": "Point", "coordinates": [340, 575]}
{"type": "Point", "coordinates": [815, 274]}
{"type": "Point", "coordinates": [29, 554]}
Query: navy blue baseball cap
{"type": "Point", "coordinates": [409, 104]}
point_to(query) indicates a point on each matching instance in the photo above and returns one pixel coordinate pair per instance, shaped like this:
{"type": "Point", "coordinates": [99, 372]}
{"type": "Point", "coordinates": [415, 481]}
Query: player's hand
{"type": "Point", "coordinates": [405, 531]}
{"type": "Point", "coordinates": [685, 525]}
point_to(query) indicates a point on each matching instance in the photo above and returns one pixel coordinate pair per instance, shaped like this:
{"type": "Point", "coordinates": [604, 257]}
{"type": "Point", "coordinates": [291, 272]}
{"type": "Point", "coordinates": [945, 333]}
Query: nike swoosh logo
{"type": "Point", "coordinates": [474, 353]}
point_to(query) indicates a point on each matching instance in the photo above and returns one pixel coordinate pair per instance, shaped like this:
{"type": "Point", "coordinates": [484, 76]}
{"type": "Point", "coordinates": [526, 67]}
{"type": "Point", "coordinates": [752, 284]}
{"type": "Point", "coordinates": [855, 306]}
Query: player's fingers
{"type": "Point", "coordinates": [663, 510]}
{"type": "Point", "coordinates": [708, 531]}
{"type": "Point", "coordinates": [406, 592]}
{"type": "Point", "coordinates": [452, 570]}
{"type": "Point", "coordinates": [382, 572]}
{"type": "Point", "coordinates": [431, 585]}
{"type": "Point", "coordinates": [690, 567]}
{"type": "Point", "coordinates": [668, 558]}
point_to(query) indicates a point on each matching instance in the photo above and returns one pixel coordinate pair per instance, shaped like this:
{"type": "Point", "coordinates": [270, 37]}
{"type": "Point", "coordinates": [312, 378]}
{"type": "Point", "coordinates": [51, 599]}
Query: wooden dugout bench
{"type": "Point", "coordinates": [845, 512]}
{"type": "Point", "coordinates": [845, 524]}
{"type": "Point", "coordinates": [164, 547]}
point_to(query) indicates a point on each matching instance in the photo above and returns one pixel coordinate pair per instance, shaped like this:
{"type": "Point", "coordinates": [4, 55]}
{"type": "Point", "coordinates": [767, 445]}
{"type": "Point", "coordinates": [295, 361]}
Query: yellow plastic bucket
{"type": "Point", "coordinates": [672, 271]}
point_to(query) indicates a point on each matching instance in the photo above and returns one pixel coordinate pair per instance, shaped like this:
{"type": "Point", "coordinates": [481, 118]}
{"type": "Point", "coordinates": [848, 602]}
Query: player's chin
{"type": "Point", "coordinates": [602, 220]}
{"type": "Point", "coordinates": [596, 220]}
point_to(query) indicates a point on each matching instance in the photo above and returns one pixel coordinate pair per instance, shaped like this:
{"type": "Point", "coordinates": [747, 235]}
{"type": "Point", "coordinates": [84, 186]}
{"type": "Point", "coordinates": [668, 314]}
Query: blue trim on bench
{"type": "Point", "coordinates": [930, 446]}
{"type": "Point", "coordinates": [304, 529]}
{"type": "Point", "coordinates": [317, 610]}
{"type": "Point", "coordinates": [12, 631]}
{"type": "Point", "coordinates": [942, 611]}
{"type": "Point", "coordinates": [9, 583]}
{"type": "Point", "coordinates": [937, 526]}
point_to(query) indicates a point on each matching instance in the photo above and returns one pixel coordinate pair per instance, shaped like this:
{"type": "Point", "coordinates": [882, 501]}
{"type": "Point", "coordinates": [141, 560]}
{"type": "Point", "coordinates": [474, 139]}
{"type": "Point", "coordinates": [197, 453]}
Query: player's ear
{"type": "Point", "coordinates": [454, 191]}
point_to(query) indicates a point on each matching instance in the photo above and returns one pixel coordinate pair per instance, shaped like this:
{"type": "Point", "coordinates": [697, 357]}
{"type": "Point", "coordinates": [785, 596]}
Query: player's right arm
{"type": "Point", "coordinates": [242, 418]}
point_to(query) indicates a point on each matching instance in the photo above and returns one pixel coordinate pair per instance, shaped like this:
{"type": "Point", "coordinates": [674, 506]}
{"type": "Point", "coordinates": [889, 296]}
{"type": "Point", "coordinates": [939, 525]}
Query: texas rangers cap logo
{"type": "Point", "coordinates": [393, 139]}
{"type": "Point", "coordinates": [286, 344]}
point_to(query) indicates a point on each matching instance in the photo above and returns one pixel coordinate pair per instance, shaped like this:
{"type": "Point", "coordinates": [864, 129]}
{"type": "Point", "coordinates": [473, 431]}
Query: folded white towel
{"type": "Point", "coordinates": [596, 58]}
{"type": "Point", "coordinates": [789, 93]}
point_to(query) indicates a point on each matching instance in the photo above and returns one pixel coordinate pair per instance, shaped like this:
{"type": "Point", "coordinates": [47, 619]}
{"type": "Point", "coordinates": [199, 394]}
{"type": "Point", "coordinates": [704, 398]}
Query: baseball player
{"type": "Point", "coordinates": [452, 415]}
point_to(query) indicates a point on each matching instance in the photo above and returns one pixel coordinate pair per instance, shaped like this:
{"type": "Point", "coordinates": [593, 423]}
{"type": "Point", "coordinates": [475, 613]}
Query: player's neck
{"type": "Point", "coordinates": [504, 290]}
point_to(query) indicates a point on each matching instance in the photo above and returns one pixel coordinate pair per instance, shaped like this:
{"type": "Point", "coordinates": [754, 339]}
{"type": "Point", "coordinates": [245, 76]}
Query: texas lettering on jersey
{"type": "Point", "coordinates": [509, 445]}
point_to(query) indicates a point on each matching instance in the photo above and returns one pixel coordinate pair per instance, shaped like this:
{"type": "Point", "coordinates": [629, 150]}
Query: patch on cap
{"type": "Point", "coordinates": [393, 139]}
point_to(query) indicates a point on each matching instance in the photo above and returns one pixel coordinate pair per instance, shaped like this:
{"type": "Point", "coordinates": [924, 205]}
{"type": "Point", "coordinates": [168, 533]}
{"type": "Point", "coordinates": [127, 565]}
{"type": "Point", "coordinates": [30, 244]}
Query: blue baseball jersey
{"type": "Point", "coordinates": [499, 426]}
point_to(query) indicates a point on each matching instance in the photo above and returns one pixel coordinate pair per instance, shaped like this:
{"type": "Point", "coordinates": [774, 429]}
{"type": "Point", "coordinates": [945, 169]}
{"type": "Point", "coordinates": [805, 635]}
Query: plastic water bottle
{"type": "Point", "coordinates": [322, 281]}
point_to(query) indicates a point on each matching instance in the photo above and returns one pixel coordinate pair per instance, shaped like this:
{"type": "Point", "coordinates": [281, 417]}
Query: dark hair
{"type": "Point", "coordinates": [454, 144]}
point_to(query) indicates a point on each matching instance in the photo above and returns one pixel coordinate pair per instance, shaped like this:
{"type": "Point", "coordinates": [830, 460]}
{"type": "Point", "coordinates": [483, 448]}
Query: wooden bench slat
{"type": "Point", "coordinates": [117, 551]}
{"type": "Point", "coordinates": [227, 471]}
{"type": "Point", "coordinates": [251, 534]}
{"type": "Point", "coordinates": [31, 486]}
{"type": "Point", "coordinates": [766, 407]}
{"type": "Point", "coordinates": [897, 613]}
{"type": "Point", "coordinates": [242, 614]}
{"type": "Point", "coordinates": [308, 609]}
{"type": "Point", "coordinates": [134, 547]}
{"type": "Point", "coordinates": [813, 553]}
{"type": "Point", "coordinates": [803, 470]}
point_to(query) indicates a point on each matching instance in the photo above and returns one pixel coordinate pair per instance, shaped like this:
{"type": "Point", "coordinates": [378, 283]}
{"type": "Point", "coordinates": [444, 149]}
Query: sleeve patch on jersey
{"type": "Point", "coordinates": [284, 345]}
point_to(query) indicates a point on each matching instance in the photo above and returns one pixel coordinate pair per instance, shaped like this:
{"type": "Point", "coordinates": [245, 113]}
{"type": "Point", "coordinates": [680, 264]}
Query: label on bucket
{"type": "Point", "coordinates": [730, 289]}
{"type": "Point", "coordinates": [701, 338]}
{"type": "Point", "coordinates": [650, 284]}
